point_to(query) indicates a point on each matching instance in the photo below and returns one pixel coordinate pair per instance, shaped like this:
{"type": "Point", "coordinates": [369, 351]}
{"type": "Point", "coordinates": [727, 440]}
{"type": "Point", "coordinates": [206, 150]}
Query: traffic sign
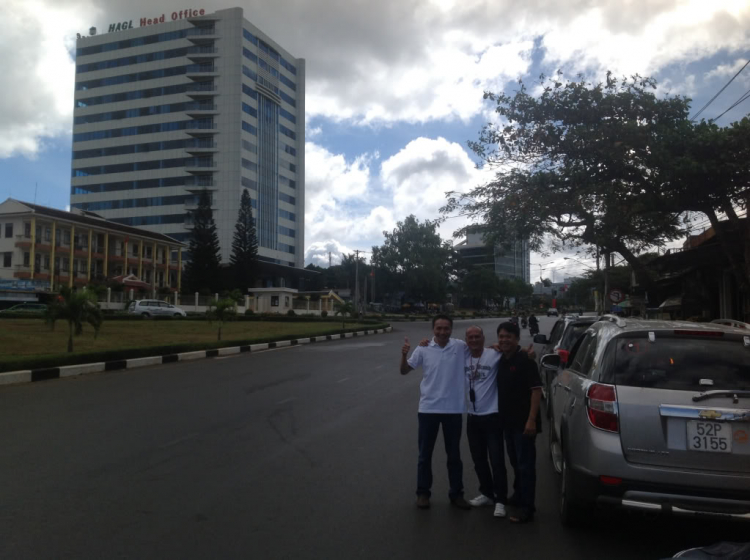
{"type": "Point", "coordinates": [616, 296]}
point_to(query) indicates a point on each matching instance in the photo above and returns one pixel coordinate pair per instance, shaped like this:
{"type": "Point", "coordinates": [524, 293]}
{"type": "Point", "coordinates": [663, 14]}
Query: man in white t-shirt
{"type": "Point", "coordinates": [483, 423]}
{"type": "Point", "coordinates": [442, 402]}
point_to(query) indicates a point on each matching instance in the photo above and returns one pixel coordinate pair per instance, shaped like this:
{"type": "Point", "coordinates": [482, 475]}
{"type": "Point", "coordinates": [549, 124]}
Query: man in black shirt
{"type": "Point", "coordinates": [519, 391]}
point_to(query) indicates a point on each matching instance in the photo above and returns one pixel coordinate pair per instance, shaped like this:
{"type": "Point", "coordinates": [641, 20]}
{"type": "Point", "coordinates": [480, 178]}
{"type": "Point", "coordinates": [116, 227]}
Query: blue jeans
{"type": "Point", "coordinates": [429, 424]}
{"type": "Point", "coordinates": [522, 454]}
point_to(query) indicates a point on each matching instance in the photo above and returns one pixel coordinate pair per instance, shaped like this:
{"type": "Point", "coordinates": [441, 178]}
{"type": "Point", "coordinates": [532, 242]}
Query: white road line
{"type": "Point", "coordinates": [290, 399]}
{"type": "Point", "coordinates": [342, 380]}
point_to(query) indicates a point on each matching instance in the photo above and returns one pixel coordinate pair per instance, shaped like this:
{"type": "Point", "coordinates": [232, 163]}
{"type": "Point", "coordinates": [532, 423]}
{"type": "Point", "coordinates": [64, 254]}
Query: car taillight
{"type": "Point", "coordinates": [564, 355]}
{"type": "Point", "coordinates": [601, 406]}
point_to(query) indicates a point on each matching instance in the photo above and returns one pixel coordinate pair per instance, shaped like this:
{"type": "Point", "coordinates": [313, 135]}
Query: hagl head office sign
{"type": "Point", "coordinates": [174, 16]}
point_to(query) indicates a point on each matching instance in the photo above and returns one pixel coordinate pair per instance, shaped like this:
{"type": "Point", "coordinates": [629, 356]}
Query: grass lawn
{"type": "Point", "coordinates": [31, 337]}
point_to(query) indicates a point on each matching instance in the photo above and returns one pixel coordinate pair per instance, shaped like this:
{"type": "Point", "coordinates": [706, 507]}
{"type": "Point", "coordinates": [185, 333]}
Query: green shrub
{"type": "Point", "coordinates": [249, 312]}
{"type": "Point", "coordinates": [324, 313]}
{"type": "Point", "coordinates": [291, 313]}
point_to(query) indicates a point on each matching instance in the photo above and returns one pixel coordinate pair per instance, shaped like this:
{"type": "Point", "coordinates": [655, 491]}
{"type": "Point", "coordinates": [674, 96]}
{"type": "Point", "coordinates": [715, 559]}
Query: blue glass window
{"type": "Point", "coordinates": [133, 202]}
{"type": "Point", "coordinates": [139, 94]}
{"type": "Point", "coordinates": [288, 182]}
{"type": "Point", "coordinates": [287, 231]}
{"type": "Point", "coordinates": [291, 216]}
{"type": "Point", "coordinates": [143, 129]}
{"type": "Point", "coordinates": [286, 165]}
{"type": "Point", "coordinates": [130, 185]}
{"type": "Point", "coordinates": [285, 97]}
{"type": "Point", "coordinates": [286, 248]}
{"type": "Point", "coordinates": [288, 66]}
{"type": "Point", "coordinates": [268, 68]}
{"type": "Point", "coordinates": [249, 184]}
{"type": "Point", "coordinates": [249, 55]}
{"type": "Point", "coordinates": [127, 78]}
{"type": "Point", "coordinates": [249, 110]}
{"type": "Point", "coordinates": [249, 73]}
{"type": "Point", "coordinates": [287, 82]}
{"type": "Point", "coordinates": [128, 43]}
{"type": "Point", "coordinates": [249, 128]}
{"type": "Point", "coordinates": [249, 36]}
{"type": "Point", "coordinates": [250, 92]}
{"type": "Point", "coordinates": [286, 132]}
{"type": "Point", "coordinates": [289, 150]}
{"type": "Point", "coordinates": [247, 164]}
{"type": "Point", "coordinates": [287, 198]}
{"type": "Point", "coordinates": [143, 112]}
{"type": "Point", "coordinates": [139, 166]}
{"type": "Point", "coordinates": [288, 116]}
{"type": "Point", "coordinates": [151, 220]}
{"type": "Point", "coordinates": [249, 146]}
{"type": "Point", "coordinates": [129, 60]}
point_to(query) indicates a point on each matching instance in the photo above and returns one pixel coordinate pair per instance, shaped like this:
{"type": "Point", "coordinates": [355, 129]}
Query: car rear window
{"type": "Point", "coordinates": [682, 364]}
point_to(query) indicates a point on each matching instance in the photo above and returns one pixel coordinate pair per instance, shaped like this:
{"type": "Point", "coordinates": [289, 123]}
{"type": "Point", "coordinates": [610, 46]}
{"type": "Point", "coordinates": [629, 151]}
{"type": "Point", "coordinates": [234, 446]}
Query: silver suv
{"type": "Point", "coordinates": [653, 416]}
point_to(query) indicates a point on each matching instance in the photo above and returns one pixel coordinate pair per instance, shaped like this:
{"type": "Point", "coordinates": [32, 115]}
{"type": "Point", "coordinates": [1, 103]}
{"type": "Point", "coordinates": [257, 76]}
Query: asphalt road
{"type": "Point", "coordinates": [307, 452]}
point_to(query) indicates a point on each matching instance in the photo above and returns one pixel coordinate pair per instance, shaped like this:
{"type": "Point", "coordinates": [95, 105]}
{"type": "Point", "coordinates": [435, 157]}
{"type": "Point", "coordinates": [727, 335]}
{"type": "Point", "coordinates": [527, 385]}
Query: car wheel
{"type": "Point", "coordinates": [177, 315]}
{"type": "Point", "coordinates": [571, 512]}
{"type": "Point", "coordinates": [554, 450]}
{"type": "Point", "coordinates": [145, 315]}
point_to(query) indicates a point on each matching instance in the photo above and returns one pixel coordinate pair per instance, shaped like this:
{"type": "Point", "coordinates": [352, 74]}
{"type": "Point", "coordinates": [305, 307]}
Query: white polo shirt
{"type": "Point", "coordinates": [443, 387]}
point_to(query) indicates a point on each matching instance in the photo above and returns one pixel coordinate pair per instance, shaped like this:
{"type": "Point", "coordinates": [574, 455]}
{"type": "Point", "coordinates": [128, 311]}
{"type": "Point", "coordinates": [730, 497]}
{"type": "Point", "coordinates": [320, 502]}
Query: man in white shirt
{"type": "Point", "coordinates": [483, 423]}
{"type": "Point", "coordinates": [442, 403]}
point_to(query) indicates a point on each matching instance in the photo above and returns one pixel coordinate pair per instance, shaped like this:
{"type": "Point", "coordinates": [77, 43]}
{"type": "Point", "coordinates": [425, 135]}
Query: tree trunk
{"type": "Point", "coordinates": [70, 337]}
{"type": "Point", "coordinates": [219, 332]}
{"type": "Point", "coordinates": [642, 273]}
{"type": "Point", "coordinates": [738, 270]}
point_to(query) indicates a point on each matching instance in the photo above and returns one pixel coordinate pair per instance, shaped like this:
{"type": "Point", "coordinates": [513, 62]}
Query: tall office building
{"type": "Point", "coordinates": [172, 104]}
{"type": "Point", "coordinates": [512, 260]}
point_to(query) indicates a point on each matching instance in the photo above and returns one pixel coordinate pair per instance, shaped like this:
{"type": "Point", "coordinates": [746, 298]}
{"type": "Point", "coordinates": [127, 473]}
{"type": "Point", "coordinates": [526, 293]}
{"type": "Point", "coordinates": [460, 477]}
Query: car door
{"type": "Point", "coordinates": [569, 386]}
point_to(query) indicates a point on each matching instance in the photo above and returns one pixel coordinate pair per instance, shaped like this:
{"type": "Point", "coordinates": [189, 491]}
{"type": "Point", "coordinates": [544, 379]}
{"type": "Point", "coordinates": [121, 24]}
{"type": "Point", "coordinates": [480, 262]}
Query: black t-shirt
{"type": "Point", "coordinates": [516, 377]}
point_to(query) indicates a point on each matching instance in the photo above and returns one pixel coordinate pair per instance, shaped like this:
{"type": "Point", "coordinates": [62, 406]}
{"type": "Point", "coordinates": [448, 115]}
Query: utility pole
{"type": "Point", "coordinates": [372, 285]}
{"type": "Point", "coordinates": [607, 260]}
{"type": "Point", "coordinates": [364, 292]}
{"type": "Point", "coordinates": [356, 283]}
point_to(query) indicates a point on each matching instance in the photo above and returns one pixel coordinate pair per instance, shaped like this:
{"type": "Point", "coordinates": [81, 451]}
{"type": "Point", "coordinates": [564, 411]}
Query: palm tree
{"type": "Point", "coordinates": [223, 310]}
{"type": "Point", "coordinates": [76, 308]}
{"type": "Point", "coordinates": [344, 309]}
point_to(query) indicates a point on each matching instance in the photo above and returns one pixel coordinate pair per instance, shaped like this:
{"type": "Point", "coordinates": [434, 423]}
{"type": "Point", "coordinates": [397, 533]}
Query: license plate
{"type": "Point", "coordinates": [714, 437]}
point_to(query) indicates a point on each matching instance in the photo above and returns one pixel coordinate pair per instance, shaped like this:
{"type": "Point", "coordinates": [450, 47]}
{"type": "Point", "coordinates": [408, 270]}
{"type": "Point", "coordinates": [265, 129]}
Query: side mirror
{"type": "Point", "coordinates": [550, 361]}
{"type": "Point", "coordinates": [540, 338]}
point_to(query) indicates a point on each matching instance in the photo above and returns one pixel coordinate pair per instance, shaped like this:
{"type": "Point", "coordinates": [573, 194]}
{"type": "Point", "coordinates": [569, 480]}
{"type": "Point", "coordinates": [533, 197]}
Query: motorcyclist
{"type": "Point", "coordinates": [533, 324]}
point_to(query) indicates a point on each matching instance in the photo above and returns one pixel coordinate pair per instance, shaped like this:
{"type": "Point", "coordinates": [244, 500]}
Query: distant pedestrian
{"type": "Point", "coordinates": [442, 402]}
{"type": "Point", "coordinates": [519, 394]}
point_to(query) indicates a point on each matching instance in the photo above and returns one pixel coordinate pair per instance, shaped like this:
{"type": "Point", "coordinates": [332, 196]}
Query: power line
{"type": "Point", "coordinates": [719, 92]}
{"type": "Point", "coordinates": [742, 98]}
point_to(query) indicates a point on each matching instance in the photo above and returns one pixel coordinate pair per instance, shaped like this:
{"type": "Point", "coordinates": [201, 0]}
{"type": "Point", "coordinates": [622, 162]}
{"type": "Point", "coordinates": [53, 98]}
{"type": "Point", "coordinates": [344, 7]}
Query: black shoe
{"type": "Point", "coordinates": [460, 503]}
{"type": "Point", "coordinates": [423, 501]}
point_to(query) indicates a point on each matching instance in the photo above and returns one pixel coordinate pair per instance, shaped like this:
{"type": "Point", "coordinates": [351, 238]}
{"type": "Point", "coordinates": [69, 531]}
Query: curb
{"type": "Point", "coordinates": [30, 376]}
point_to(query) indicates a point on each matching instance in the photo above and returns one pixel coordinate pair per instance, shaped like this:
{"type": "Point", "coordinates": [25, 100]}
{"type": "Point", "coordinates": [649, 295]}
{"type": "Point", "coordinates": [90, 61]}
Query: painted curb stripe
{"type": "Point", "coordinates": [44, 374]}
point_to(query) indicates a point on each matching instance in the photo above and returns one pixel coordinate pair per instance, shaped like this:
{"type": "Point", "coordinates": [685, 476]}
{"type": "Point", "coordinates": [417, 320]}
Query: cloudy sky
{"type": "Point", "coordinates": [394, 88]}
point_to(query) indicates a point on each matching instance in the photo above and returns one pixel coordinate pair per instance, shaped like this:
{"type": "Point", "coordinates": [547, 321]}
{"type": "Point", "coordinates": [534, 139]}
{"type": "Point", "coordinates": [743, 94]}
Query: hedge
{"type": "Point", "coordinates": [59, 360]}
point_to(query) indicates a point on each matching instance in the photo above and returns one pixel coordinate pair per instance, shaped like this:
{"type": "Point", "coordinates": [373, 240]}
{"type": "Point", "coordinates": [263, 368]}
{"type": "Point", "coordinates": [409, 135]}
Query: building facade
{"type": "Point", "coordinates": [165, 110]}
{"type": "Point", "coordinates": [512, 260]}
{"type": "Point", "coordinates": [43, 249]}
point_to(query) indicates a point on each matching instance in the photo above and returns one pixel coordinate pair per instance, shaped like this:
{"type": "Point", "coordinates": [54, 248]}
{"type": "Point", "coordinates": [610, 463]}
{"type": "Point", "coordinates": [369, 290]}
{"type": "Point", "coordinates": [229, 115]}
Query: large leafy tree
{"type": "Point", "coordinates": [583, 164]}
{"type": "Point", "coordinates": [480, 285]}
{"type": "Point", "coordinates": [202, 270]}
{"type": "Point", "coordinates": [244, 258]}
{"type": "Point", "coordinates": [414, 260]}
{"type": "Point", "coordinates": [76, 308]}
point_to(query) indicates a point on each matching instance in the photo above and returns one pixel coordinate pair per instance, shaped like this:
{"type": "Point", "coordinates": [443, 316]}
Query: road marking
{"type": "Point", "coordinates": [342, 380]}
{"type": "Point", "coordinates": [290, 399]}
{"type": "Point", "coordinates": [225, 357]}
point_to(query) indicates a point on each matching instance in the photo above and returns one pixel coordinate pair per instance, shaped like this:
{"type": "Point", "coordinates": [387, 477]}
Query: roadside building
{"type": "Point", "coordinates": [43, 249]}
{"type": "Point", "coordinates": [510, 260]}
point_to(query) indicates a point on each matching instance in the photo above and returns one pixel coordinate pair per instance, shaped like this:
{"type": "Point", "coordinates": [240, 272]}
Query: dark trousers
{"type": "Point", "coordinates": [429, 424]}
{"type": "Point", "coordinates": [522, 453]}
{"type": "Point", "coordinates": [486, 445]}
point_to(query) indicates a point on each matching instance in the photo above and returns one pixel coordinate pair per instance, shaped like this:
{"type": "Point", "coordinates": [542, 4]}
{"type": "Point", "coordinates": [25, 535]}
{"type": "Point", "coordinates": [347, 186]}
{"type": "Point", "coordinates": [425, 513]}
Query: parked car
{"type": "Point", "coordinates": [653, 416]}
{"type": "Point", "coordinates": [154, 308]}
{"type": "Point", "coordinates": [562, 337]}
{"type": "Point", "coordinates": [553, 311]}
{"type": "Point", "coordinates": [30, 308]}
{"type": "Point", "coordinates": [732, 323]}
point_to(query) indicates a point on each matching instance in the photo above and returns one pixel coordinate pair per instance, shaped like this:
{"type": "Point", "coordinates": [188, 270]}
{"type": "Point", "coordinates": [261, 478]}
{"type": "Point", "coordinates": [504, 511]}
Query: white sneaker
{"type": "Point", "coordinates": [481, 501]}
{"type": "Point", "coordinates": [499, 510]}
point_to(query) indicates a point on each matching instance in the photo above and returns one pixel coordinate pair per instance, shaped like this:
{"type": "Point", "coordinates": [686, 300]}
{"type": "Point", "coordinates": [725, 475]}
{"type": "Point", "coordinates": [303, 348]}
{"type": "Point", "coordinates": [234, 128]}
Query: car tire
{"type": "Point", "coordinates": [571, 511]}
{"type": "Point", "coordinates": [554, 450]}
{"type": "Point", "coordinates": [145, 315]}
{"type": "Point", "coordinates": [177, 315]}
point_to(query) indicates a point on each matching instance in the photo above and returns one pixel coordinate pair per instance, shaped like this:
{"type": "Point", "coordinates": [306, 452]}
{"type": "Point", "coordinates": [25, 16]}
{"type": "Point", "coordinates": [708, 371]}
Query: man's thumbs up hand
{"type": "Point", "coordinates": [406, 347]}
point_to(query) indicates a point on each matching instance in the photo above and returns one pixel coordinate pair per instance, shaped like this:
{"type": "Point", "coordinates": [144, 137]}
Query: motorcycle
{"type": "Point", "coordinates": [534, 329]}
{"type": "Point", "coordinates": [524, 323]}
